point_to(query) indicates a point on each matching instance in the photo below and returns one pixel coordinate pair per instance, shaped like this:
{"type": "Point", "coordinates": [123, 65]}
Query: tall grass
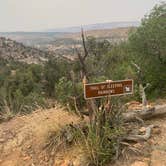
{"type": "Point", "coordinates": [99, 149]}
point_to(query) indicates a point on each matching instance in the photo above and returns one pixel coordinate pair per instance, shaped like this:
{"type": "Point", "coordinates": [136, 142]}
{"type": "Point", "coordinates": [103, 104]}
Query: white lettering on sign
{"type": "Point", "coordinates": [112, 88]}
{"type": "Point", "coordinates": [109, 86]}
{"type": "Point", "coordinates": [94, 88]}
{"type": "Point", "coordinates": [106, 92]}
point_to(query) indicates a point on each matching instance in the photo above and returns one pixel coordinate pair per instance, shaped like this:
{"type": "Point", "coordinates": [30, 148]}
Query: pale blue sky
{"type": "Point", "coordinates": [34, 15]}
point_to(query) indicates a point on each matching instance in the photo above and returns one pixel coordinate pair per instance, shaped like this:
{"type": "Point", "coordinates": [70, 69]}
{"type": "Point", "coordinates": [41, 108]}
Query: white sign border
{"type": "Point", "coordinates": [132, 91]}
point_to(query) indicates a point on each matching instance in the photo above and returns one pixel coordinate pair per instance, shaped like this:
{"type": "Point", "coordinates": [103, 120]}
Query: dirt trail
{"type": "Point", "coordinates": [22, 139]}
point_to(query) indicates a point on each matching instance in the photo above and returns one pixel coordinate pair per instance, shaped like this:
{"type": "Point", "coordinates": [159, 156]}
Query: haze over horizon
{"type": "Point", "coordinates": [37, 15]}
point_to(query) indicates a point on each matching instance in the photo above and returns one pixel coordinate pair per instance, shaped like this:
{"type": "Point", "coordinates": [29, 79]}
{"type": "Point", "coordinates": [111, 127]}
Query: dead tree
{"type": "Point", "coordinates": [97, 115]}
{"type": "Point", "coordinates": [141, 87]}
{"type": "Point", "coordinates": [143, 94]}
{"type": "Point", "coordinates": [145, 114]}
{"type": "Point", "coordinates": [91, 105]}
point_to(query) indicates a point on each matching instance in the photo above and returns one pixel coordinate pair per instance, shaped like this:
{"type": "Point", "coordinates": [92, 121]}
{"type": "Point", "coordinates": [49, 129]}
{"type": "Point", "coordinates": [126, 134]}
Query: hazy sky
{"type": "Point", "coordinates": [34, 15]}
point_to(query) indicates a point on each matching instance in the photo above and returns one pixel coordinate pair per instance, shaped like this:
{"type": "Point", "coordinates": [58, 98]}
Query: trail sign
{"type": "Point", "coordinates": [113, 88]}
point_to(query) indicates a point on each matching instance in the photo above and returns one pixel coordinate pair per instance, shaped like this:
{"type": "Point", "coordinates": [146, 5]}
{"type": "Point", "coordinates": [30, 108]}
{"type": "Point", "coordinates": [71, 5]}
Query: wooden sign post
{"type": "Point", "coordinates": [103, 89]}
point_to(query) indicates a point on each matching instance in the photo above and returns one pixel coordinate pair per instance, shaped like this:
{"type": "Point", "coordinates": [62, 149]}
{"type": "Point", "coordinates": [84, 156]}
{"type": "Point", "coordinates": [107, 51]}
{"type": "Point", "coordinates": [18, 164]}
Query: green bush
{"type": "Point", "coordinates": [63, 90]}
{"type": "Point", "coordinates": [147, 45]}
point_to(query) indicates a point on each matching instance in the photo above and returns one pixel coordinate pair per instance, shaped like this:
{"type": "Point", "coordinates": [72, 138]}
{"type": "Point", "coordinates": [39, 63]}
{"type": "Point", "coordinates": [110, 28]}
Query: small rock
{"type": "Point", "coordinates": [156, 131]}
{"type": "Point", "coordinates": [2, 140]}
{"type": "Point", "coordinates": [67, 163]}
{"type": "Point", "coordinates": [139, 163]}
{"type": "Point", "coordinates": [29, 146]}
{"type": "Point", "coordinates": [146, 159]}
{"type": "Point", "coordinates": [151, 141]}
{"type": "Point", "coordinates": [46, 159]}
{"type": "Point", "coordinates": [27, 158]}
{"type": "Point", "coordinates": [142, 129]}
{"type": "Point", "coordinates": [138, 145]}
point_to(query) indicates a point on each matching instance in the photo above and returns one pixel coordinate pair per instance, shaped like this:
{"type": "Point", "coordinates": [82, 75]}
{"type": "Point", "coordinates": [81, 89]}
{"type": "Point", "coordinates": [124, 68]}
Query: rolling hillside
{"type": "Point", "coordinates": [10, 49]}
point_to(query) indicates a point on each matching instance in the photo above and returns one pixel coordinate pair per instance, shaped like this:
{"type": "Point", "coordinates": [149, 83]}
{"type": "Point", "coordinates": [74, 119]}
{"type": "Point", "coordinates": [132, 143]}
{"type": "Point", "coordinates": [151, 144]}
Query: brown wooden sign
{"type": "Point", "coordinates": [113, 88]}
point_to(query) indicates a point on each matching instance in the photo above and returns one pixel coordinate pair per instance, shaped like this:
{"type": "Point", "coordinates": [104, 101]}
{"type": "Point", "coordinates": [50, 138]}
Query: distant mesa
{"type": "Point", "coordinates": [111, 25]}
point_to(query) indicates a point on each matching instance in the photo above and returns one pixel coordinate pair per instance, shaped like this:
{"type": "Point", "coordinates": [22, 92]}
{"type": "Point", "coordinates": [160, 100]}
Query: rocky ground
{"type": "Point", "coordinates": [22, 142]}
{"type": "Point", "coordinates": [151, 152]}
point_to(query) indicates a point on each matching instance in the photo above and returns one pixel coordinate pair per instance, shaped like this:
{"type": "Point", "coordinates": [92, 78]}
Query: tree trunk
{"type": "Point", "coordinates": [148, 113]}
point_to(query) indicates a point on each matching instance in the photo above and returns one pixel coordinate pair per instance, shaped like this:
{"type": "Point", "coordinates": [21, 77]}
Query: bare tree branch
{"type": "Point", "coordinates": [84, 45]}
